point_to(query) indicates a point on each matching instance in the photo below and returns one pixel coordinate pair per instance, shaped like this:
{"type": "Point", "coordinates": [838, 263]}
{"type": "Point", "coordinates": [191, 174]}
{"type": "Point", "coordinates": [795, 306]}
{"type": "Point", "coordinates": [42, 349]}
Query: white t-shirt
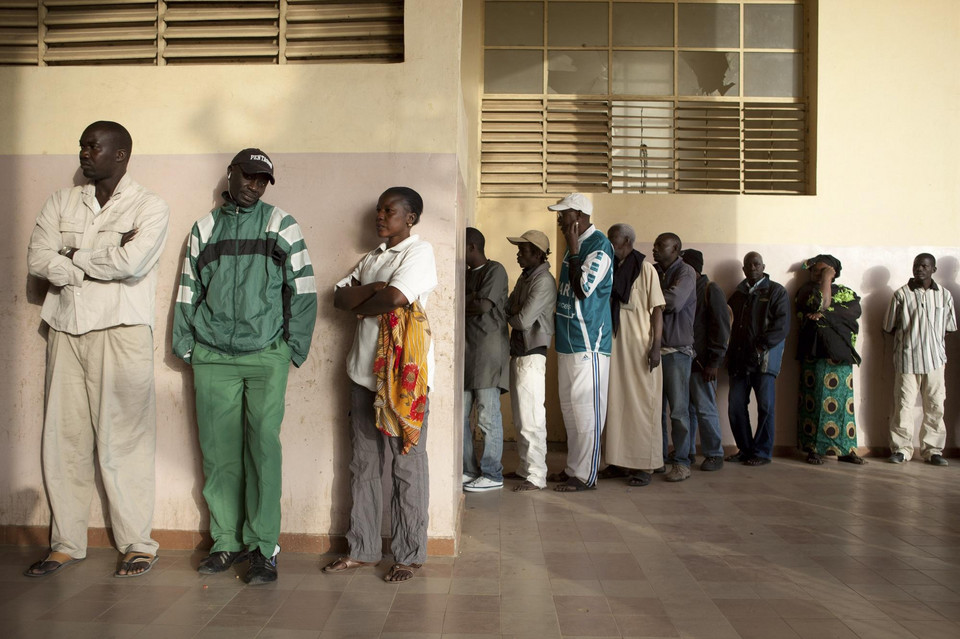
{"type": "Point", "coordinates": [411, 268]}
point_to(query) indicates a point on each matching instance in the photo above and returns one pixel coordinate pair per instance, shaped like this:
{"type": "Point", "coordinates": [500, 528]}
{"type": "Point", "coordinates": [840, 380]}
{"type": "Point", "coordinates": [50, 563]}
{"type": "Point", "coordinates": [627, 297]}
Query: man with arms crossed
{"type": "Point", "coordinates": [98, 246]}
{"type": "Point", "coordinates": [678, 281]}
{"type": "Point", "coordinates": [530, 310]}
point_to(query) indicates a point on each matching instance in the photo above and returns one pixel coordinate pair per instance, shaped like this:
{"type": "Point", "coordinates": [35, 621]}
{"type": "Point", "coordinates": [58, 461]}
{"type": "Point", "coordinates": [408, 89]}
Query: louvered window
{"type": "Point", "coordinates": [64, 32]}
{"type": "Point", "coordinates": [19, 33]}
{"type": "Point", "coordinates": [644, 96]}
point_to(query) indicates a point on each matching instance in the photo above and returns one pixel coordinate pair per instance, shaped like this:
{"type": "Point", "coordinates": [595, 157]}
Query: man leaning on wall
{"type": "Point", "coordinates": [245, 310]}
{"type": "Point", "coordinates": [98, 246]}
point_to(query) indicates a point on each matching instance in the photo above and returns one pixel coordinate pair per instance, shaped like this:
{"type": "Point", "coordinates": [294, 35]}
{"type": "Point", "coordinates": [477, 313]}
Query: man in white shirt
{"type": "Point", "coordinates": [98, 246]}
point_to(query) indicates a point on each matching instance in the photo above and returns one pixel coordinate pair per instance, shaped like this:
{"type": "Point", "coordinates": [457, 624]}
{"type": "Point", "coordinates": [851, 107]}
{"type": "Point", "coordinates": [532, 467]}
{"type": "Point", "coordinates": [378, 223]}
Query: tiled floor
{"type": "Point", "coordinates": [786, 550]}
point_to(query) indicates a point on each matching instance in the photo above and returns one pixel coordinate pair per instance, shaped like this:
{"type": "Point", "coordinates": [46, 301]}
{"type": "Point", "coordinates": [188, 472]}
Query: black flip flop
{"type": "Point", "coordinates": [47, 567]}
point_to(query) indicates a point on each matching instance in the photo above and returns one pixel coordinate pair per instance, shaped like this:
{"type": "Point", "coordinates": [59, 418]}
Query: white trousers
{"type": "Point", "coordinates": [582, 381]}
{"type": "Point", "coordinates": [100, 410]}
{"type": "Point", "coordinates": [933, 432]}
{"type": "Point", "coordinates": [527, 396]}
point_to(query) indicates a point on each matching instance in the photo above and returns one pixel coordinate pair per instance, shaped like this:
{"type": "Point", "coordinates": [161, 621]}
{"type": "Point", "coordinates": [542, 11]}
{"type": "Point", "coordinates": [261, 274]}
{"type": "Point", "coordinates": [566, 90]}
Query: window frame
{"type": "Point", "coordinates": [773, 151]}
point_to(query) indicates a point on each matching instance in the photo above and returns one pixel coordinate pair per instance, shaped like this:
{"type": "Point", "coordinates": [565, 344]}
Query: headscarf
{"type": "Point", "coordinates": [625, 273]}
{"type": "Point", "coordinates": [827, 259]}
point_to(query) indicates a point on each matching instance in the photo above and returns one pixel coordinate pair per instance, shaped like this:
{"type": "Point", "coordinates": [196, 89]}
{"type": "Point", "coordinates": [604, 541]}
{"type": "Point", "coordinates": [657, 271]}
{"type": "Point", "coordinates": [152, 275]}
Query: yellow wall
{"type": "Point", "coordinates": [888, 187]}
{"type": "Point", "coordinates": [339, 135]}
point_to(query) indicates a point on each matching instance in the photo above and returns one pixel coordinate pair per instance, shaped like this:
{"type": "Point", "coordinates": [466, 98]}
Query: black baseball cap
{"type": "Point", "coordinates": [254, 161]}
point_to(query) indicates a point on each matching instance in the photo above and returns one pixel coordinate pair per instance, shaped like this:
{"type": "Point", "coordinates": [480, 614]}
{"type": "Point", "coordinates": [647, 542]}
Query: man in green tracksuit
{"type": "Point", "coordinates": [245, 309]}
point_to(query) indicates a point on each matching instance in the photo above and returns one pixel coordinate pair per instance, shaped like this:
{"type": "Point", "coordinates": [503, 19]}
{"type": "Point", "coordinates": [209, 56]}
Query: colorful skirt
{"type": "Point", "coordinates": [825, 421]}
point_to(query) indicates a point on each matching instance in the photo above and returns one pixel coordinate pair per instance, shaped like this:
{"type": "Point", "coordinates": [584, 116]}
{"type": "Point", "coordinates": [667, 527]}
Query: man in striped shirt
{"type": "Point", "coordinates": [920, 315]}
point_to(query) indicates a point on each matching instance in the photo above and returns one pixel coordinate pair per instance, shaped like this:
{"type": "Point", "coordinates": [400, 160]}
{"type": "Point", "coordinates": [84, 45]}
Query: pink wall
{"type": "Point", "coordinates": [333, 197]}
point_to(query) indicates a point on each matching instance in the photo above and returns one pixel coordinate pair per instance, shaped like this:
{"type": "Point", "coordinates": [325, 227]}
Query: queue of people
{"type": "Point", "coordinates": [639, 347]}
{"type": "Point", "coordinates": [639, 344]}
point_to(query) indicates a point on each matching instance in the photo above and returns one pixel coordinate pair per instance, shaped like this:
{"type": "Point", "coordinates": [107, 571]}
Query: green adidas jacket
{"type": "Point", "coordinates": [247, 280]}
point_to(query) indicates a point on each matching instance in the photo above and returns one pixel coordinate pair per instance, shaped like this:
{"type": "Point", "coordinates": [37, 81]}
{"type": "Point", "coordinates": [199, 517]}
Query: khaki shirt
{"type": "Point", "coordinates": [121, 283]}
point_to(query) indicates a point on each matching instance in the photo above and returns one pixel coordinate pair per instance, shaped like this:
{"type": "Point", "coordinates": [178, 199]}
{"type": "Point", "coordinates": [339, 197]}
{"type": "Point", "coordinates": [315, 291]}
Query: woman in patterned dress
{"type": "Point", "coordinates": [828, 314]}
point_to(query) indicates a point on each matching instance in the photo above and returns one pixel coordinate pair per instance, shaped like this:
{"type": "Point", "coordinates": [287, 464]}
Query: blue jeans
{"type": "Point", "coordinates": [676, 395]}
{"type": "Point", "coordinates": [764, 386]}
{"type": "Point", "coordinates": [704, 414]}
{"type": "Point", "coordinates": [490, 423]}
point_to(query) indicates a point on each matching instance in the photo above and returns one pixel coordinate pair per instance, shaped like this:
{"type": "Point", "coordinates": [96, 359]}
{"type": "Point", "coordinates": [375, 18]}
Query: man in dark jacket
{"type": "Point", "coordinates": [761, 319]}
{"type": "Point", "coordinates": [711, 332]}
{"type": "Point", "coordinates": [486, 369]}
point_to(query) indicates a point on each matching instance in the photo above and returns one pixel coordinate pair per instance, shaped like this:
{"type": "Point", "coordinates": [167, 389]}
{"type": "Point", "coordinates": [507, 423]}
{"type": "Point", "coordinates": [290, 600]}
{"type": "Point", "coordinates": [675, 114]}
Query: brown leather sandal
{"type": "Point", "coordinates": [346, 563]}
{"type": "Point", "coordinates": [401, 572]}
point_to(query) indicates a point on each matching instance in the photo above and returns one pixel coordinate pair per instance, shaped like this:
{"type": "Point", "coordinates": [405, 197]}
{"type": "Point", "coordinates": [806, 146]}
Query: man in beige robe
{"type": "Point", "coordinates": [633, 434]}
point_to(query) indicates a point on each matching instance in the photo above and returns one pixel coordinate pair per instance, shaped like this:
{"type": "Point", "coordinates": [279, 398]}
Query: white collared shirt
{"type": "Point", "coordinates": [411, 268]}
{"type": "Point", "coordinates": [122, 283]}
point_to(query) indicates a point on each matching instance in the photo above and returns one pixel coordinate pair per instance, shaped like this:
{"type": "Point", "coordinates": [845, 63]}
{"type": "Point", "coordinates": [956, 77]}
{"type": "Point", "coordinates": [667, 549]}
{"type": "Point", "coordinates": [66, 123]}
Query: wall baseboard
{"type": "Point", "coordinates": [864, 451]}
{"type": "Point", "coordinates": [200, 540]}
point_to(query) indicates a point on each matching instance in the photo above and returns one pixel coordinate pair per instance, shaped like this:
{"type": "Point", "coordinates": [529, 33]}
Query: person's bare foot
{"type": "Point", "coordinates": [135, 564]}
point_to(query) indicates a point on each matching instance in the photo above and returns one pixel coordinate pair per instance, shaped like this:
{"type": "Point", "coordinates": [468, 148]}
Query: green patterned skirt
{"type": "Point", "coordinates": [825, 419]}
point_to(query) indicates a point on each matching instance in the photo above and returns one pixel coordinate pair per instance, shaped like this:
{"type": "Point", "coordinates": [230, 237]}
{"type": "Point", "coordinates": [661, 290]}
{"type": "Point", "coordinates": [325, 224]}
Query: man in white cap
{"type": "Point", "coordinates": [530, 310]}
{"type": "Point", "coordinates": [583, 339]}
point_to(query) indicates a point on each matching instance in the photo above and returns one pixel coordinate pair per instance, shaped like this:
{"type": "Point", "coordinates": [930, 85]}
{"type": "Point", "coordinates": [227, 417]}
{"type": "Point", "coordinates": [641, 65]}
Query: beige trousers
{"type": "Point", "coordinates": [100, 410]}
{"type": "Point", "coordinates": [933, 432]}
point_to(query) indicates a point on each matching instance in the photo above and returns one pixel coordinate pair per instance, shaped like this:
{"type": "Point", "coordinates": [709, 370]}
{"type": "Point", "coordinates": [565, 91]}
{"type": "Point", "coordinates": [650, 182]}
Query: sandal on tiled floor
{"type": "Point", "coordinates": [53, 562]}
{"type": "Point", "coordinates": [346, 563]}
{"type": "Point", "coordinates": [401, 572]}
{"type": "Point", "coordinates": [135, 564]}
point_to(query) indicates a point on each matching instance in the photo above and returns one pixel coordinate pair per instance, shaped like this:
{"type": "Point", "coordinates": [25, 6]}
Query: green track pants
{"type": "Point", "coordinates": [240, 402]}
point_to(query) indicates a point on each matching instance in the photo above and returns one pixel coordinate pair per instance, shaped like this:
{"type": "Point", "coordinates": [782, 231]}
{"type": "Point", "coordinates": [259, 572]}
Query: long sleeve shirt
{"type": "Point", "coordinates": [679, 285]}
{"type": "Point", "coordinates": [105, 284]}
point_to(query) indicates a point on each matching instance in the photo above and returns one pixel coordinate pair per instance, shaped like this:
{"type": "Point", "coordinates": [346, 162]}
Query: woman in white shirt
{"type": "Point", "coordinates": [397, 274]}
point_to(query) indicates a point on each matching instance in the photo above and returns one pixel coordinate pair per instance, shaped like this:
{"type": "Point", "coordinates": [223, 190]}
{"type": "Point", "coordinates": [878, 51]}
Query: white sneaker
{"type": "Point", "coordinates": [466, 479]}
{"type": "Point", "coordinates": [482, 483]}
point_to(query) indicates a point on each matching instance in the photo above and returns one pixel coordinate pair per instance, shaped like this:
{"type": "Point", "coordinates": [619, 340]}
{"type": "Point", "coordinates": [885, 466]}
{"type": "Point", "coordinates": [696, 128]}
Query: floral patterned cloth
{"type": "Point", "coordinates": [825, 416]}
{"type": "Point", "coordinates": [400, 368]}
